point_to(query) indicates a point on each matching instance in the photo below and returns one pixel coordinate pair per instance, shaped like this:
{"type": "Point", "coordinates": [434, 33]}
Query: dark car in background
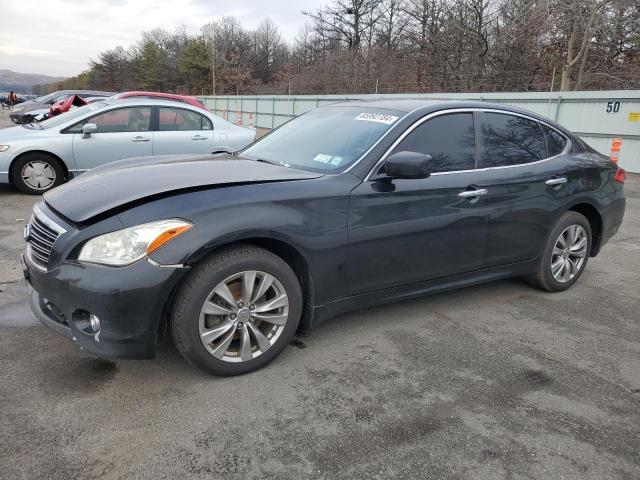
{"type": "Point", "coordinates": [29, 110]}
{"type": "Point", "coordinates": [344, 207]}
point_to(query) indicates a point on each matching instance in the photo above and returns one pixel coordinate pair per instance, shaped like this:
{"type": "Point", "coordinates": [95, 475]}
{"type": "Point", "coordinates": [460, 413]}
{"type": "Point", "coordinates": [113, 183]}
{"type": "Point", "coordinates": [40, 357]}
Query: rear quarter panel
{"type": "Point", "coordinates": [591, 177]}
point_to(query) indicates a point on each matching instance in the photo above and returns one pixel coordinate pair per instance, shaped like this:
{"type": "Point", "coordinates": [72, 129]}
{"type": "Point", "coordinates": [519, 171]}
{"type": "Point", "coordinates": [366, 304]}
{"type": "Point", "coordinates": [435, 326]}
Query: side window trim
{"type": "Point", "coordinates": [371, 176]}
{"type": "Point", "coordinates": [546, 139]}
{"type": "Point", "coordinates": [154, 124]}
{"type": "Point", "coordinates": [478, 122]}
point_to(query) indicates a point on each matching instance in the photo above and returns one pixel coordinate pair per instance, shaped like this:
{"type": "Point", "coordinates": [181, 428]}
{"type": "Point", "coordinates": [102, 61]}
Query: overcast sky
{"type": "Point", "coordinates": [58, 37]}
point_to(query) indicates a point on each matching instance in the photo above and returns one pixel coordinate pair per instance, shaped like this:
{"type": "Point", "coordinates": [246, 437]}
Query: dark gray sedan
{"type": "Point", "coordinates": [345, 207]}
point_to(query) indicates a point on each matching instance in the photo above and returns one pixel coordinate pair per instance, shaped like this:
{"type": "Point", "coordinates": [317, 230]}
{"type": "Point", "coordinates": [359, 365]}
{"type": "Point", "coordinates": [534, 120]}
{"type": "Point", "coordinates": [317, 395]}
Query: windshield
{"type": "Point", "coordinates": [69, 116]}
{"type": "Point", "coordinates": [324, 140]}
{"type": "Point", "coordinates": [46, 98]}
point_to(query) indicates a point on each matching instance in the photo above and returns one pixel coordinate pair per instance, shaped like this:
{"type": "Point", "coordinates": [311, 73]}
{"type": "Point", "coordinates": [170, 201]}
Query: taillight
{"type": "Point", "coordinates": [620, 176]}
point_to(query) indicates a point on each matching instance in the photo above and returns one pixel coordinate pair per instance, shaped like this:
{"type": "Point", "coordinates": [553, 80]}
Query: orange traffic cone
{"type": "Point", "coordinates": [616, 145]}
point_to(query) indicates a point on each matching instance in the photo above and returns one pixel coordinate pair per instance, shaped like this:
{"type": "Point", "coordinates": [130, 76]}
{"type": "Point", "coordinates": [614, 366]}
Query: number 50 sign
{"type": "Point", "coordinates": [613, 107]}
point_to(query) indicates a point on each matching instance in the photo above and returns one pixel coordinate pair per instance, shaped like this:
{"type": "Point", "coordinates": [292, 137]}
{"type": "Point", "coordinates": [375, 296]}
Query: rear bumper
{"type": "Point", "coordinates": [130, 303]}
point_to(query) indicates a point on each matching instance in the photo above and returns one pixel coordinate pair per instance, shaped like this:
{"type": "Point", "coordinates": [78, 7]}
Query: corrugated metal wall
{"type": "Point", "coordinates": [596, 116]}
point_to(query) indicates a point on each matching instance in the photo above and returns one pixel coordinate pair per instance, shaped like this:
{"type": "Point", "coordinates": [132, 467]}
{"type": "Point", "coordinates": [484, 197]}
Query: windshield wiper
{"type": "Point", "coordinates": [271, 162]}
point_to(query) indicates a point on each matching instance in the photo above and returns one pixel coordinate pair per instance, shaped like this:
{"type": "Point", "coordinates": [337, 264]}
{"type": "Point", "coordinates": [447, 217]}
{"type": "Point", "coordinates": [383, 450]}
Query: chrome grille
{"type": "Point", "coordinates": [41, 234]}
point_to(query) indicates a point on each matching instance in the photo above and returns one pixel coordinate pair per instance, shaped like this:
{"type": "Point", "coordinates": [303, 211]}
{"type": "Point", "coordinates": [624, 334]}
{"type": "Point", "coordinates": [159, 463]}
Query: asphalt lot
{"type": "Point", "coordinates": [494, 381]}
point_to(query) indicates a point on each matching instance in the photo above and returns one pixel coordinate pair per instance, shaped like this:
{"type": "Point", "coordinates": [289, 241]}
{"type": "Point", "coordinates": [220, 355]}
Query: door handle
{"type": "Point", "coordinates": [556, 181]}
{"type": "Point", "coordinates": [140, 139]}
{"type": "Point", "coordinates": [480, 192]}
{"type": "Point", "coordinates": [198, 137]}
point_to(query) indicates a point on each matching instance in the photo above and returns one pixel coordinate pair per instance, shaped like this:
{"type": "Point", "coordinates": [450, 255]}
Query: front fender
{"type": "Point", "coordinates": [312, 220]}
{"type": "Point", "coordinates": [55, 147]}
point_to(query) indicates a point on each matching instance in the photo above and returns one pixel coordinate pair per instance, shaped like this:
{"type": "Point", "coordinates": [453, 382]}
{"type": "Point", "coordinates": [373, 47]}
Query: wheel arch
{"type": "Point", "coordinates": [18, 157]}
{"type": "Point", "coordinates": [594, 217]}
{"type": "Point", "coordinates": [290, 254]}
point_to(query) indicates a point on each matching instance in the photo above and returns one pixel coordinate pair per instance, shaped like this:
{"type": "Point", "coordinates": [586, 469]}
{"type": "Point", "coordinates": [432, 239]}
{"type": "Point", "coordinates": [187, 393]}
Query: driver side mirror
{"type": "Point", "coordinates": [408, 165]}
{"type": "Point", "coordinates": [89, 128]}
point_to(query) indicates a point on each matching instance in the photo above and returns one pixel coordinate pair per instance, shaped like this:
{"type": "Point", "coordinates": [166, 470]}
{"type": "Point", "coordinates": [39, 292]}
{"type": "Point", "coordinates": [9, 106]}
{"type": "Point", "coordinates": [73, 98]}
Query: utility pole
{"type": "Point", "coordinates": [213, 64]}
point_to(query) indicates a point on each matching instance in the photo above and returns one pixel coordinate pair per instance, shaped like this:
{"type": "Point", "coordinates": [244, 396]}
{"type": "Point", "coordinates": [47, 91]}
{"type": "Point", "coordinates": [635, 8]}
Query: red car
{"type": "Point", "coordinates": [166, 96]}
{"type": "Point", "coordinates": [66, 104]}
{"type": "Point", "coordinates": [71, 101]}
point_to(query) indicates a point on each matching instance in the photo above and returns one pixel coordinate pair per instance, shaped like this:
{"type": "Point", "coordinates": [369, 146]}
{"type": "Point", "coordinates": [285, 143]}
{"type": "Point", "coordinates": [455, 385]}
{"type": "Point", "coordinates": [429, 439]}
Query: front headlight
{"type": "Point", "coordinates": [4, 147]}
{"type": "Point", "coordinates": [124, 247]}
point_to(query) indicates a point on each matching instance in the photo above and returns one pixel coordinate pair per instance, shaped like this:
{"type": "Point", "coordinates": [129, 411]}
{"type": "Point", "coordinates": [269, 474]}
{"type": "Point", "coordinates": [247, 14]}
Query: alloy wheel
{"type": "Point", "coordinates": [569, 253]}
{"type": "Point", "coordinates": [243, 316]}
{"type": "Point", "coordinates": [38, 175]}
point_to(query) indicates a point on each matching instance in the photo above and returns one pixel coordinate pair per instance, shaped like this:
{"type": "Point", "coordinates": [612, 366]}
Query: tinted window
{"type": "Point", "coordinates": [555, 141]}
{"type": "Point", "coordinates": [449, 139]}
{"type": "Point", "coordinates": [510, 140]}
{"type": "Point", "coordinates": [134, 119]}
{"type": "Point", "coordinates": [177, 119]}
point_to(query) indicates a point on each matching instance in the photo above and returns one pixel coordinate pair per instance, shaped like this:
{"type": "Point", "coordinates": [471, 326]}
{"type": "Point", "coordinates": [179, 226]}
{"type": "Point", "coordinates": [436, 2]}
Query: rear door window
{"type": "Point", "coordinates": [449, 139]}
{"type": "Point", "coordinates": [178, 119]}
{"type": "Point", "coordinates": [510, 140]}
{"type": "Point", "coordinates": [555, 141]}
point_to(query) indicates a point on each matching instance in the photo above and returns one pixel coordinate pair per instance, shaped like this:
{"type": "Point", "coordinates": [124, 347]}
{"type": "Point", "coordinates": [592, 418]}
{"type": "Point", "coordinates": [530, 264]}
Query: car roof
{"type": "Point", "coordinates": [425, 106]}
{"type": "Point", "coordinates": [156, 94]}
{"type": "Point", "coordinates": [150, 101]}
{"type": "Point", "coordinates": [78, 92]}
{"type": "Point", "coordinates": [400, 105]}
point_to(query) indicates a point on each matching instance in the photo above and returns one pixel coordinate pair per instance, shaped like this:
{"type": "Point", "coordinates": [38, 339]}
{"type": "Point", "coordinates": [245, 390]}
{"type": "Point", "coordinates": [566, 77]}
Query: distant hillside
{"type": "Point", "coordinates": [21, 82]}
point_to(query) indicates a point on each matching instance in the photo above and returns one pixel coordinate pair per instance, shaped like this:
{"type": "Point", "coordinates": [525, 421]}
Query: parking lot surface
{"type": "Point", "coordinates": [494, 381]}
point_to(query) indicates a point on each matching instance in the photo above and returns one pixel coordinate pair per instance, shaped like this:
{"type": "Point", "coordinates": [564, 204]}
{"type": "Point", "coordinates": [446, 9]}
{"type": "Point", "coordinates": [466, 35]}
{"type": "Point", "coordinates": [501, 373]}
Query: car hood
{"type": "Point", "coordinates": [26, 107]}
{"type": "Point", "coordinates": [117, 184]}
{"type": "Point", "coordinates": [15, 133]}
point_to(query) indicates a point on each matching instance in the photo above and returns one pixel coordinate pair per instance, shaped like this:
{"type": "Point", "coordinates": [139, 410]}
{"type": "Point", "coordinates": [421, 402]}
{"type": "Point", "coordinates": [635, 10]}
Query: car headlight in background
{"type": "Point", "coordinates": [3, 148]}
{"type": "Point", "coordinates": [124, 247]}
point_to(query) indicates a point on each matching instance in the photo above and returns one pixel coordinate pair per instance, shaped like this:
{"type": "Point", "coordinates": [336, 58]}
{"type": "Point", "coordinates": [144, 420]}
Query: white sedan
{"type": "Point", "coordinates": [39, 156]}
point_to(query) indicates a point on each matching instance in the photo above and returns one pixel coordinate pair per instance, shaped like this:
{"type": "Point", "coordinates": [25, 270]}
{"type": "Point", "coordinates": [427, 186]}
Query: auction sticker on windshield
{"type": "Point", "coordinates": [377, 117]}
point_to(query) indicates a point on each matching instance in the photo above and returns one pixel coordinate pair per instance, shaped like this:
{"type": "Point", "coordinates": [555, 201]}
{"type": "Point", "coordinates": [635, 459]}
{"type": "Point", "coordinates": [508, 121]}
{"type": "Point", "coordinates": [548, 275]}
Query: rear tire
{"type": "Point", "coordinates": [36, 173]}
{"type": "Point", "coordinates": [222, 317]}
{"type": "Point", "coordinates": [566, 254]}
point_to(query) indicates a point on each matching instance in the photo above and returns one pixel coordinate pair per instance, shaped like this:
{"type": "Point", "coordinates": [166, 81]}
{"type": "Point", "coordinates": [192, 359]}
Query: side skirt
{"type": "Point", "coordinates": [414, 290]}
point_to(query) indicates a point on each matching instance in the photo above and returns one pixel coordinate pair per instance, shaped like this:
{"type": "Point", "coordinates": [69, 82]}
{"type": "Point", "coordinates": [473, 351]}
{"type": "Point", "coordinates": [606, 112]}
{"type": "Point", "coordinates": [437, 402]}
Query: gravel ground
{"type": "Point", "coordinates": [4, 119]}
{"type": "Point", "coordinates": [494, 381]}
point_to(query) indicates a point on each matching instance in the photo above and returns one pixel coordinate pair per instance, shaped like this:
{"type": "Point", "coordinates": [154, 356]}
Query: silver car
{"type": "Point", "coordinates": [39, 156]}
{"type": "Point", "coordinates": [30, 110]}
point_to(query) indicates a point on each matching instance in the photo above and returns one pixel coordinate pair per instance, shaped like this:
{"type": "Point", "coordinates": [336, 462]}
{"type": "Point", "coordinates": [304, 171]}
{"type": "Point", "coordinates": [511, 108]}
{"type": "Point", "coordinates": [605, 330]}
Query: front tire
{"type": "Point", "coordinates": [236, 311]}
{"type": "Point", "coordinates": [566, 254]}
{"type": "Point", "coordinates": [36, 173]}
